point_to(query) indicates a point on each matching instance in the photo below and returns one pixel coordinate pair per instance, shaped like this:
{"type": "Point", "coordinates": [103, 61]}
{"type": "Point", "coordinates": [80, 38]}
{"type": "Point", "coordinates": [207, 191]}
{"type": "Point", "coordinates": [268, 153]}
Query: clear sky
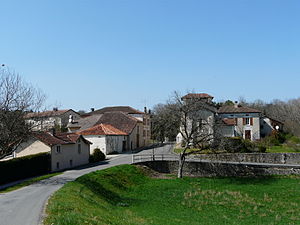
{"type": "Point", "coordinates": [94, 53]}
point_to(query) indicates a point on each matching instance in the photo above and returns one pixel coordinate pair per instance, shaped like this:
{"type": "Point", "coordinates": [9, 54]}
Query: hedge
{"type": "Point", "coordinates": [24, 167]}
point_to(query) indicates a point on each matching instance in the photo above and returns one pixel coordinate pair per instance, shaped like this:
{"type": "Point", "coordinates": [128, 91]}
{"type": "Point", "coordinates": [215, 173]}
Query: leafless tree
{"type": "Point", "coordinates": [198, 125]}
{"type": "Point", "coordinates": [16, 99]}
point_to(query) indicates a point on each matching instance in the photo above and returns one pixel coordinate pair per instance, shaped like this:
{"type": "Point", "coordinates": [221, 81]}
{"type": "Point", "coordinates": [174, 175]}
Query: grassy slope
{"type": "Point", "coordinates": [123, 195]}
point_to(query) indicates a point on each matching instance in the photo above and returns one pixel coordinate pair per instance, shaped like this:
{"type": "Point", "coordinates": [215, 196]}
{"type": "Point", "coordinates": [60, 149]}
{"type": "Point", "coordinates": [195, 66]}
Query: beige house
{"type": "Point", "coordinates": [44, 121]}
{"type": "Point", "coordinates": [67, 150]}
{"type": "Point", "coordinates": [240, 121]}
{"type": "Point", "coordinates": [136, 124]}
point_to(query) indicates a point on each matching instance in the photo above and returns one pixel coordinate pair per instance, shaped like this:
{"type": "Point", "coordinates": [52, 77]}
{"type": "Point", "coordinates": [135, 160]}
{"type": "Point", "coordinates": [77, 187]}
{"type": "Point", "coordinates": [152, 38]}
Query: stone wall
{"type": "Point", "coordinates": [222, 169]}
{"type": "Point", "coordinates": [276, 158]}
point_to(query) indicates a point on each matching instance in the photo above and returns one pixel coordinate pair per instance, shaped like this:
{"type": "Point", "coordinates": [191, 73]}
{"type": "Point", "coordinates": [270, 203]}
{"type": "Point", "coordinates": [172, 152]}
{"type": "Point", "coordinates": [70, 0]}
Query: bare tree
{"type": "Point", "coordinates": [16, 99]}
{"type": "Point", "coordinates": [198, 125]}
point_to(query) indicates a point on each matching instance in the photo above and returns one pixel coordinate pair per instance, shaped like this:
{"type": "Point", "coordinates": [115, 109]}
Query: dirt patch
{"type": "Point", "coordinates": [154, 174]}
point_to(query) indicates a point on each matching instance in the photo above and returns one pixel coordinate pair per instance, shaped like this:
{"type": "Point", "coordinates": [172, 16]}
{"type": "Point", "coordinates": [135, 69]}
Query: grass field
{"type": "Point", "coordinates": [125, 195]}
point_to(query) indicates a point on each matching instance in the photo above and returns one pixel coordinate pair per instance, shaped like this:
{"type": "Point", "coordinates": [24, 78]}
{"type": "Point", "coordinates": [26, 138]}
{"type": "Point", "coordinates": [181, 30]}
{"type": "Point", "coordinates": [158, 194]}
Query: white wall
{"type": "Point", "coordinates": [98, 141]}
{"type": "Point", "coordinates": [70, 153]}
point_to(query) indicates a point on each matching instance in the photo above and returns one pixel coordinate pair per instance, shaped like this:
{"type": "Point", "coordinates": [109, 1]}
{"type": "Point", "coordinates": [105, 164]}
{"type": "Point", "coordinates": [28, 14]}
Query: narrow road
{"type": "Point", "coordinates": [25, 206]}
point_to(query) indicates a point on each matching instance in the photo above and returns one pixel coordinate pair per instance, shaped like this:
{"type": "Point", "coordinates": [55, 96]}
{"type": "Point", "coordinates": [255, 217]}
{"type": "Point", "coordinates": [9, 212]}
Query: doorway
{"type": "Point", "coordinates": [248, 134]}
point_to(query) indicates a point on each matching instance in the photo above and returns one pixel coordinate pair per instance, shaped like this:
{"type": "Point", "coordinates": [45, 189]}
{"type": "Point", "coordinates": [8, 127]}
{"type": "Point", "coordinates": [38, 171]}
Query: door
{"type": "Point", "coordinates": [248, 134]}
{"type": "Point", "coordinates": [124, 146]}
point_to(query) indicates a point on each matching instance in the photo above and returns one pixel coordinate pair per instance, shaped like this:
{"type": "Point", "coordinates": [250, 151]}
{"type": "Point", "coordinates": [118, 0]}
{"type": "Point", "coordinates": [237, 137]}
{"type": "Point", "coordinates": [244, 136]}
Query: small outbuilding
{"type": "Point", "coordinates": [106, 138]}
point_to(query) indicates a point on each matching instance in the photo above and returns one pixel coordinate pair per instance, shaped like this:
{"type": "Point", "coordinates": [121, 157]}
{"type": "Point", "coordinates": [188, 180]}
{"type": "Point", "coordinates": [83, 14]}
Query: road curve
{"type": "Point", "coordinates": [25, 206]}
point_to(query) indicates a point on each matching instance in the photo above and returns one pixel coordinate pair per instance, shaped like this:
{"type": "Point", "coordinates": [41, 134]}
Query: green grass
{"type": "Point", "coordinates": [282, 149]}
{"type": "Point", "coordinates": [28, 182]}
{"type": "Point", "coordinates": [124, 195]}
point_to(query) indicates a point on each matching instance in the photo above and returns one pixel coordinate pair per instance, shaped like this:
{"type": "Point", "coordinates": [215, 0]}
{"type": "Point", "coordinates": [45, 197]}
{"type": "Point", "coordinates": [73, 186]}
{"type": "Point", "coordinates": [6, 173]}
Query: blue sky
{"type": "Point", "coordinates": [94, 53]}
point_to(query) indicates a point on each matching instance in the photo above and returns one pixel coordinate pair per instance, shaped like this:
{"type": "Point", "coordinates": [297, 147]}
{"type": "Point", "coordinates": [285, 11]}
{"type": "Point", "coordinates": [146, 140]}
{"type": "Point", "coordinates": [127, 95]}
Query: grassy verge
{"type": "Point", "coordinates": [124, 195]}
{"type": "Point", "coordinates": [28, 182]}
{"type": "Point", "coordinates": [282, 149]}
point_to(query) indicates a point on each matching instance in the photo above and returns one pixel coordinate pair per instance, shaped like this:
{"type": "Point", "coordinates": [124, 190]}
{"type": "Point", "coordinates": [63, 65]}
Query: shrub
{"type": "Point", "coordinates": [24, 167]}
{"type": "Point", "coordinates": [97, 156]}
{"type": "Point", "coordinates": [238, 145]}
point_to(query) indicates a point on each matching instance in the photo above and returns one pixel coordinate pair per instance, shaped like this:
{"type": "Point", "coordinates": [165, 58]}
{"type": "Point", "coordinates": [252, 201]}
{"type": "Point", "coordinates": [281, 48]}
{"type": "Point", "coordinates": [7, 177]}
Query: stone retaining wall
{"type": "Point", "coordinates": [222, 169]}
{"type": "Point", "coordinates": [276, 158]}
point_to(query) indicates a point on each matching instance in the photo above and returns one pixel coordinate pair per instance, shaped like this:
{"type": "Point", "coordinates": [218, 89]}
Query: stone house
{"type": "Point", "coordinates": [240, 121]}
{"type": "Point", "coordinates": [135, 124]}
{"type": "Point", "coordinates": [205, 115]}
{"type": "Point", "coordinates": [106, 138]}
{"type": "Point", "coordinates": [144, 117]}
{"type": "Point", "coordinates": [67, 150]}
{"type": "Point", "coordinates": [47, 120]}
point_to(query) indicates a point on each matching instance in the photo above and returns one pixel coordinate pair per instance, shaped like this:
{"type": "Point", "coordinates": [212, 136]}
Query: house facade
{"type": "Point", "coordinates": [47, 120]}
{"type": "Point", "coordinates": [106, 138]}
{"type": "Point", "coordinates": [67, 150]}
{"type": "Point", "coordinates": [204, 117]}
{"type": "Point", "coordinates": [240, 121]}
{"type": "Point", "coordinates": [135, 124]}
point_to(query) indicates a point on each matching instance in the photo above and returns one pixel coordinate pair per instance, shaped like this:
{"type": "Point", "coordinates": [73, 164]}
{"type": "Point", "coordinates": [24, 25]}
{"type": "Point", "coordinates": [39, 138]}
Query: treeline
{"type": "Point", "coordinates": [287, 112]}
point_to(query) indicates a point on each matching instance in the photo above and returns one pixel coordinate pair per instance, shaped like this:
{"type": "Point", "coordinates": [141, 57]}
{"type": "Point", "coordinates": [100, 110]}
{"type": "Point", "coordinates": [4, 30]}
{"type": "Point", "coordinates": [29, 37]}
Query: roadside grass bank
{"type": "Point", "coordinates": [28, 182]}
{"type": "Point", "coordinates": [126, 195]}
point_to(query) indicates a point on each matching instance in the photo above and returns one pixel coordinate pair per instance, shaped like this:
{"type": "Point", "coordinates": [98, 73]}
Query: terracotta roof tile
{"type": "Point", "coordinates": [197, 95]}
{"type": "Point", "coordinates": [47, 113]}
{"type": "Point", "coordinates": [229, 121]}
{"type": "Point", "coordinates": [124, 109]}
{"type": "Point", "coordinates": [119, 120]}
{"type": "Point", "coordinates": [60, 138]}
{"type": "Point", "coordinates": [102, 129]}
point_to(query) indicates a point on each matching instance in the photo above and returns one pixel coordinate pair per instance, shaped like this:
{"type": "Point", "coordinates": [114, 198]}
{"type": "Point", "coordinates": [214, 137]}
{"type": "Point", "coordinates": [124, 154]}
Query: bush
{"type": "Point", "coordinates": [24, 167]}
{"type": "Point", "coordinates": [97, 156]}
{"type": "Point", "coordinates": [238, 145]}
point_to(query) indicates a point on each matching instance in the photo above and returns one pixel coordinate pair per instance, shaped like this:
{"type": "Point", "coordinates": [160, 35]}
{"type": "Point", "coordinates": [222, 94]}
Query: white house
{"type": "Point", "coordinates": [240, 121]}
{"type": "Point", "coordinates": [67, 149]}
{"type": "Point", "coordinates": [44, 121]}
{"type": "Point", "coordinates": [106, 138]}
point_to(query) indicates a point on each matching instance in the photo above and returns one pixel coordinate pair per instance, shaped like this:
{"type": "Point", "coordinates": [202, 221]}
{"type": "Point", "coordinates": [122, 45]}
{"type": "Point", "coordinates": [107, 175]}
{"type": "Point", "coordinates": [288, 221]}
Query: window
{"type": "Point", "coordinates": [144, 133]}
{"type": "Point", "coordinates": [57, 165]}
{"type": "Point", "coordinates": [247, 121]}
{"type": "Point", "coordinates": [71, 162]}
{"type": "Point", "coordinates": [79, 140]}
{"type": "Point", "coordinates": [57, 149]}
{"type": "Point", "coordinates": [79, 148]}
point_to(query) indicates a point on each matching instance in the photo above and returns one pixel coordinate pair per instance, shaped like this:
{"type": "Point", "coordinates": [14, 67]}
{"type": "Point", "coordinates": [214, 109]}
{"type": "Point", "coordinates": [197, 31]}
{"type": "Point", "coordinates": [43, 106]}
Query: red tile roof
{"type": "Point", "coordinates": [238, 109]}
{"type": "Point", "coordinates": [102, 129]}
{"type": "Point", "coordinates": [229, 121]}
{"type": "Point", "coordinates": [60, 138]}
{"type": "Point", "coordinates": [119, 120]}
{"type": "Point", "coordinates": [47, 113]}
{"type": "Point", "coordinates": [124, 109]}
{"type": "Point", "coordinates": [197, 95]}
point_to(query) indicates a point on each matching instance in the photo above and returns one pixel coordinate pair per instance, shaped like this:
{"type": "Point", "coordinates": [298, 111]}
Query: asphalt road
{"type": "Point", "coordinates": [26, 205]}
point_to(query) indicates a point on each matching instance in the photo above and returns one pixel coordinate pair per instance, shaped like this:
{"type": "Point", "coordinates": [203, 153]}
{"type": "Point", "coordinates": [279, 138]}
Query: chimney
{"type": "Point", "coordinates": [145, 109]}
{"type": "Point", "coordinates": [92, 109]}
{"type": "Point", "coordinates": [236, 104]}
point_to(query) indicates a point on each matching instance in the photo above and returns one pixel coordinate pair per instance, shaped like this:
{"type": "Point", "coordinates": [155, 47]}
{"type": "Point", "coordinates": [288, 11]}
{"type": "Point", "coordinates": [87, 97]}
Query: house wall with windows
{"type": "Point", "coordinates": [247, 125]}
{"type": "Point", "coordinates": [69, 155]}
